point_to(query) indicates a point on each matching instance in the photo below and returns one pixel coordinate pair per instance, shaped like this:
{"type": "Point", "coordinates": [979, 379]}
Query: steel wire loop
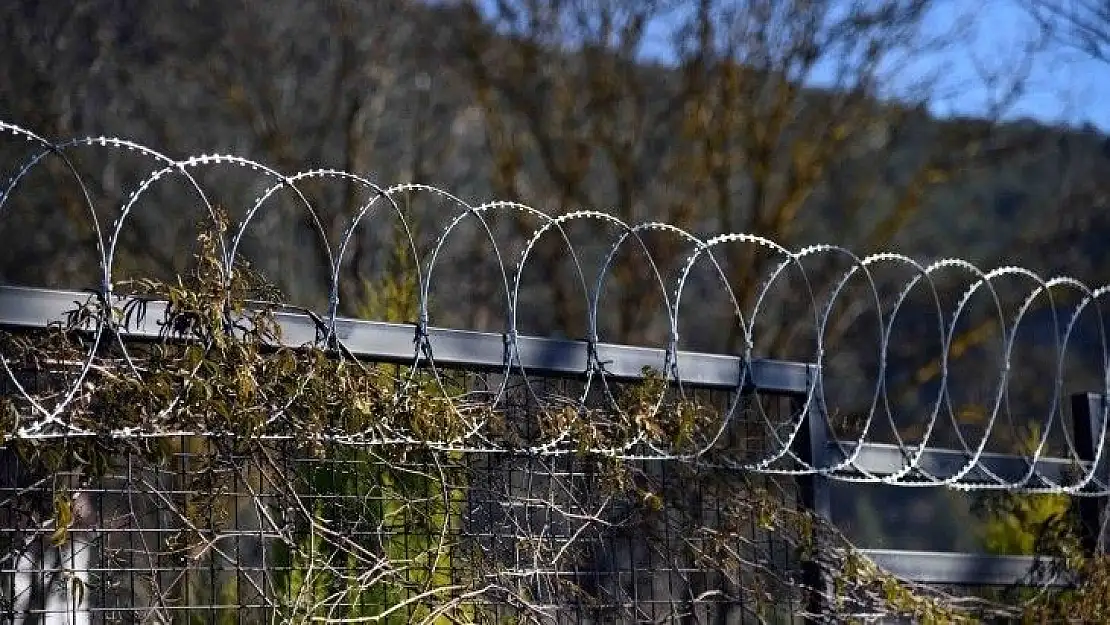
{"type": "Point", "coordinates": [924, 295]}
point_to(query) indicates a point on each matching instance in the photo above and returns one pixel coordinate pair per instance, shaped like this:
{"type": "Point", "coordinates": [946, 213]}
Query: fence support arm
{"type": "Point", "coordinates": [1087, 415]}
{"type": "Point", "coordinates": [815, 493]}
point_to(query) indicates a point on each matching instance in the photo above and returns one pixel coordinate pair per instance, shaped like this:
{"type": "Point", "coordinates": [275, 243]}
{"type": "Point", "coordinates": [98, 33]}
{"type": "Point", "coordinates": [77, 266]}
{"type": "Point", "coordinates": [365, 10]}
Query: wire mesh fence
{"type": "Point", "coordinates": [210, 529]}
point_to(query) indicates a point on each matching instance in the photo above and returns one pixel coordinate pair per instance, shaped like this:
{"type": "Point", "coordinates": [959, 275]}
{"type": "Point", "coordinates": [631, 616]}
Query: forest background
{"type": "Point", "coordinates": [873, 124]}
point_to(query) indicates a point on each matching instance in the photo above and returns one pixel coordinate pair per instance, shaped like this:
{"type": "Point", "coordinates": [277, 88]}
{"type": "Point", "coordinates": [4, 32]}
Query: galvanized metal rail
{"type": "Point", "coordinates": [23, 307]}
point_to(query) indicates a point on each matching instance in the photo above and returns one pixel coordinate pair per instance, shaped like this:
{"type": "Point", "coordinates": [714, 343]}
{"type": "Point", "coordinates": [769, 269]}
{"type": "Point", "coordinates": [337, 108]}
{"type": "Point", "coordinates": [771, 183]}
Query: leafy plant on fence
{"type": "Point", "coordinates": [412, 516]}
{"type": "Point", "coordinates": [1017, 523]}
{"type": "Point", "coordinates": [1047, 526]}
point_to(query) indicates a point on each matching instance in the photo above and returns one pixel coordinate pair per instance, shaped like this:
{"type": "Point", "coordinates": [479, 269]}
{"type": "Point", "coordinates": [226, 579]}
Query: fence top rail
{"type": "Point", "coordinates": [28, 308]}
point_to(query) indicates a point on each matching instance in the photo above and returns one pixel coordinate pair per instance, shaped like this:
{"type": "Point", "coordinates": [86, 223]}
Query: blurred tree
{"type": "Point", "coordinates": [1081, 24]}
{"type": "Point", "coordinates": [727, 135]}
{"type": "Point", "coordinates": [293, 85]}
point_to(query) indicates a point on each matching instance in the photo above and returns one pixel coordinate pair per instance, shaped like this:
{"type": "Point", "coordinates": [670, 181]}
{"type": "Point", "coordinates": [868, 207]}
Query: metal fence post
{"type": "Point", "coordinates": [811, 446]}
{"type": "Point", "coordinates": [1087, 410]}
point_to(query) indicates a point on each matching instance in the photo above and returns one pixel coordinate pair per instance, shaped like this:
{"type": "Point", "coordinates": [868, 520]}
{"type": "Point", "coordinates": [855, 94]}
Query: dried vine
{"type": "Point", "coordinates": [356, 520]}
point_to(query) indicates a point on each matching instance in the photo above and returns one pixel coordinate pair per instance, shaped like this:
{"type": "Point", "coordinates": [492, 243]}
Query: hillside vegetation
{"type": "Point", "coordinates": [553, 104]}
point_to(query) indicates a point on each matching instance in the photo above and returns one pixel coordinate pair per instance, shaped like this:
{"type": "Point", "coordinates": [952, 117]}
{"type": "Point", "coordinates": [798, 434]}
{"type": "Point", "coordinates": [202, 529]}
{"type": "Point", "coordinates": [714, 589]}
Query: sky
{"type": "Point", "coordinates": [1063, 87]}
